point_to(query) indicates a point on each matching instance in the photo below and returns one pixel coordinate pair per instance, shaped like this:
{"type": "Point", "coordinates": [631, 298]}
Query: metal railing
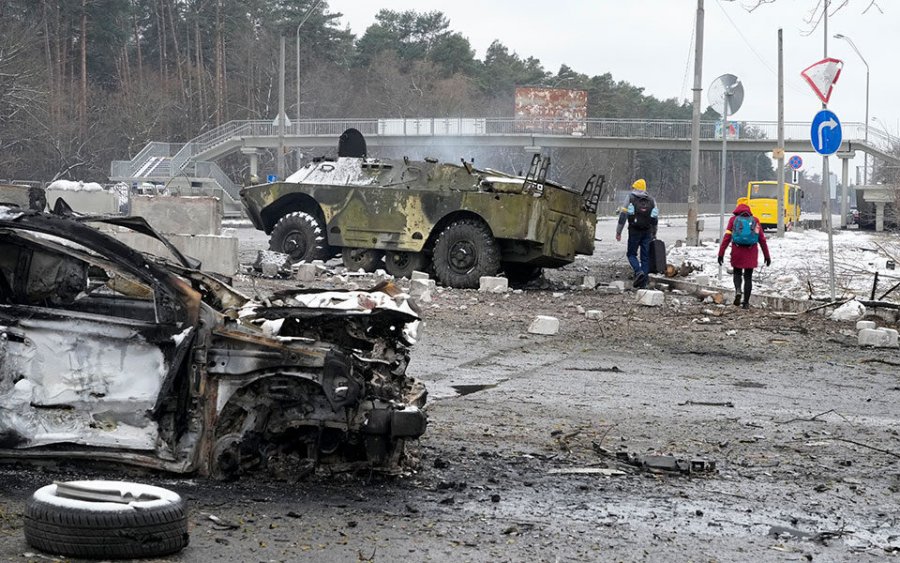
{"type": "Point", "coordinates": [591, 128]}
{"type": "Point", "coordinates": [212, 171]}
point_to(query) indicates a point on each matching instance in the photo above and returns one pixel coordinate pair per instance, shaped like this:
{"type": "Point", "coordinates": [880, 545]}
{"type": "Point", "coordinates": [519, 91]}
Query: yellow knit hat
{"type": "Point", "coordinates": [640, 184]}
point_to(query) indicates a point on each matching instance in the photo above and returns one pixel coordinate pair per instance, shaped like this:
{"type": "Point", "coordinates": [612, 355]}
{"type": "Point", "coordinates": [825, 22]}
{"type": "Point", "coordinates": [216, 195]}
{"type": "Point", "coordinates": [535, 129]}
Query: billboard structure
{"type": "Point", "coordinates": [558, 111]}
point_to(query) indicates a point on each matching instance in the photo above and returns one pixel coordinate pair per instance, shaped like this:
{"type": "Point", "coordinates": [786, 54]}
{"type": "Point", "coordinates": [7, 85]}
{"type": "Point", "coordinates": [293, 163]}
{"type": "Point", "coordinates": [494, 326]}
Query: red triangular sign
{"type": "Point", "coordinates": [822, 76]}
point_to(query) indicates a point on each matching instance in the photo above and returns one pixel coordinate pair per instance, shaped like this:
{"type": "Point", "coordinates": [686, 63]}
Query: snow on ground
{"type": "Point", "coordinates": [800, 265]}
{"type": "Point", "coordinates": [799, 260]}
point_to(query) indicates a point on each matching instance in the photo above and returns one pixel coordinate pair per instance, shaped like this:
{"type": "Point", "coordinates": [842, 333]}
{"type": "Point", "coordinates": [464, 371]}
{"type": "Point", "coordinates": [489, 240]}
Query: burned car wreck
{"type": "Point", "coordinates": [108, 354]}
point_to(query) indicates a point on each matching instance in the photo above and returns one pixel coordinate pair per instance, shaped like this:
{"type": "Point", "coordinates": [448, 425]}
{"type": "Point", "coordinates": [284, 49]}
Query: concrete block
{"type": "Point", "coordinates": [216, 253]}
{"type": "Point", "coordinates": [194, 215]}
{"type": "Point", "coordinates": [701, 279]}
{"type": "Point", "coordinates": [589, 282]}
{"type": "Point", "coordinates": [493, 284]}
{"type": "Point", "coordinates": [419, 288]}
{"type": "Point", "coordinates": [543, 324]}
{"type": "Point", "coordinates": [894, 337]}
{"type": "Point", "coordinates": [618, 285]}
{"type": "Point", "coordinates": [305, 272]}
{"type": "Point", "coordinates": [271, 263]}
{"type": "Point", "coordinates": [865, 324]}
{"type": "Point", "coordinates": [593, 315]}
{"type": "Point", "coordinates": [417, 275]}
{"type": "Point", "coordinates": [650, 297]}
{"type": "Point", "coordinates": [26, 197]}
{"type": "Point", "coordinates": [89, 202]}
{"type": "Point", "coordinates": [878, 337]}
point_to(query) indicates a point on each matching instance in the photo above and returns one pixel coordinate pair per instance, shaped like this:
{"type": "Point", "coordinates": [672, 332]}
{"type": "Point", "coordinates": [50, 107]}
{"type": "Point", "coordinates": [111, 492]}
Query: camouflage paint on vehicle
{"type": "Point", "coordinates": [401, 205]}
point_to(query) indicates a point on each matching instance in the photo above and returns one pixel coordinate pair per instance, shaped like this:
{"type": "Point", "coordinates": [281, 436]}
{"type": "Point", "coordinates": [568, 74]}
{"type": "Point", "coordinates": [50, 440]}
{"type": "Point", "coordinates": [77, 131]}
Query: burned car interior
{"type": "Point", "coordinates": [108, 354]}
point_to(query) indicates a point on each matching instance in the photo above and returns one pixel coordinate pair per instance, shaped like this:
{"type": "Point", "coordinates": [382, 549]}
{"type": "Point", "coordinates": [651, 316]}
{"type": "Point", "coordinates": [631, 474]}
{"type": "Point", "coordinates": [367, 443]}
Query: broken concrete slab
{"type": "Point", "coordinates": [860, 325]}
{"type": "Point", "coordinates": [183, 215]}
{"type": "Point", "coordinates": [217, 253]}
{"type": "Point", "coordinates": [589, 282]}
{"type": "Point", "coordinates": [493, 284]}
{"type": "Point", "coordinates": [878, 337]}
{"type": "Point", "coordinates": [543, 324]}
{"type": "Point", "coordinates": [650, 297]}
{"type": "Point", "coordinates": [617, 285]}
{"type": "Point", "coordinates": [421, 289]}
{"type": "Point", "coordinates": [417, 275]}
{"type": "Point", "coordinates": [701, 279]}
{"type": "Point", "coordinates": [305, 272]}
{"type": "Point", "coordinates": [272, 263]}
{"type": "Point", "coordinates": [593, 315]}
{"type": "Point", "coordinates": [89, 202]}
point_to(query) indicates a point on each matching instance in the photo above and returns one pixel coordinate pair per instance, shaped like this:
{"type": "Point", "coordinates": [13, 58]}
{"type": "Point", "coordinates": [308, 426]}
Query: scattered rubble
{"type": "Point", "coordinates": [272, 264]}
{"type": "Point", "coordinates": [543, 324]}
{"type": "Point", "coordinates": [650, 297]}
{"type": "Point", "coordinates": [493, 284]}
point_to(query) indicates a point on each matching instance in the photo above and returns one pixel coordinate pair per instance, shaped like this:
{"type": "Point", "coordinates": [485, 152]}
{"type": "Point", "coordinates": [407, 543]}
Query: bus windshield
{"type": "Point", "coordinates": [760, 191]}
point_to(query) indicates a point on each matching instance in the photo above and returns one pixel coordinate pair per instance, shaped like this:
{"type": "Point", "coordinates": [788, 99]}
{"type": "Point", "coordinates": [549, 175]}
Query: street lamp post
{"type": "Point", "coordinates": [299, 25]}
{"type": "Point", "coordinates": [865, 155]}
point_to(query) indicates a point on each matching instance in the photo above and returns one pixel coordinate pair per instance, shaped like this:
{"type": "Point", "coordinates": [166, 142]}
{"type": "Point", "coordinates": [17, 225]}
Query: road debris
{"type": "Point", "coordinates": [544, 324]}
{"type": "Point", "coordinates": [667, 463]}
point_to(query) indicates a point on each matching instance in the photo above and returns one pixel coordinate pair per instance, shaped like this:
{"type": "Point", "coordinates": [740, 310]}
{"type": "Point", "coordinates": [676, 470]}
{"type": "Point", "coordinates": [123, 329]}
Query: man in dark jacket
{"type": "Point", "coordinates": [744, 257]}
{"type": "Point", "coordinates": [642, 216]}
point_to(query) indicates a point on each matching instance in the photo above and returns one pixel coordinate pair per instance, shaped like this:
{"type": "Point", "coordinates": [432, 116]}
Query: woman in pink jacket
{"type": "Point", "coordinates": [744, 257]}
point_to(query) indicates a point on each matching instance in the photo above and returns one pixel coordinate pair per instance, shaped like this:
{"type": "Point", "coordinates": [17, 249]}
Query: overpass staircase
{"type": "Point", "coordinates": [163, 168]}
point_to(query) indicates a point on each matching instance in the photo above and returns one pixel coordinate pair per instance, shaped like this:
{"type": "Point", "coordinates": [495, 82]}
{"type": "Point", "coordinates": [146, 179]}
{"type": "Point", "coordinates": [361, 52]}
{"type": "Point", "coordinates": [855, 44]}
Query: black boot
{"type": "Point", "coordinates": [746, 303]}
{"type": "Point", "coordinates": [737, 299]}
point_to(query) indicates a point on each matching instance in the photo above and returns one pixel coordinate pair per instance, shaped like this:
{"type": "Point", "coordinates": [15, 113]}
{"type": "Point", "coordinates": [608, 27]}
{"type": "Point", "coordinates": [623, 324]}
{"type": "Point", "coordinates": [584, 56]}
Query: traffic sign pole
{"type": "Point", "coordinates": [825, 135]}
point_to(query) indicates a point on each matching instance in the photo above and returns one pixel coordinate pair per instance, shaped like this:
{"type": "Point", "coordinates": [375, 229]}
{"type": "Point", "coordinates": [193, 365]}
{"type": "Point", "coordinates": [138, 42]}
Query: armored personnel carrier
{"type": "Point", "coordinates": [456, 220]}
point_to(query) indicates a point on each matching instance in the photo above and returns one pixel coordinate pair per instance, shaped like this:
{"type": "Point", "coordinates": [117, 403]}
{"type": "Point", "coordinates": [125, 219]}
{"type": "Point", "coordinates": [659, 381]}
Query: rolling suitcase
{"type": "Point", "coordinates": [657, 257]}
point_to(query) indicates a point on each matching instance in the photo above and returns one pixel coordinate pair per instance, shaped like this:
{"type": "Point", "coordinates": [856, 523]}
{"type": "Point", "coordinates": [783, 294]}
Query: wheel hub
{"type": "Point", "coordinates": [463, 256]}
{"type": "Point", "coordinates": [294, 244]}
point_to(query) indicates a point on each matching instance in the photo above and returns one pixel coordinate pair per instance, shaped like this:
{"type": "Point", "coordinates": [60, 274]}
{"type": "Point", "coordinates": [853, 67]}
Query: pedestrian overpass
{"type": "Point", "coordinates": [190, 167]}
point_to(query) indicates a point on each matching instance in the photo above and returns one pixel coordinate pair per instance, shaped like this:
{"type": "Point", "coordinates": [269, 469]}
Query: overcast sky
{"type": "Point", "coordinates": [649, 44]}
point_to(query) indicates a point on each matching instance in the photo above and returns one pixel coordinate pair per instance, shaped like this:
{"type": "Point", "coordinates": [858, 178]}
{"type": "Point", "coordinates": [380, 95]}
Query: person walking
{"type": "Point", "coordinates": [643, 217]}
{"type": "Point", "coordinates": [744, 234]}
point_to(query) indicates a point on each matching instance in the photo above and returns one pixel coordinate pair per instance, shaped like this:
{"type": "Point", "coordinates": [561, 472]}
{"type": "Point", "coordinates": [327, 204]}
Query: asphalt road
{"type": "Point", "coordinates": [801, 423]}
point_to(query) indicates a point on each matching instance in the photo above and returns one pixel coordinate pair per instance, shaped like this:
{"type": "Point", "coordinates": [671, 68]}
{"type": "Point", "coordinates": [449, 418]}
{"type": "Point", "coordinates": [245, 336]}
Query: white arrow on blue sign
{"type": "Point", "coordinates": [825, 132]}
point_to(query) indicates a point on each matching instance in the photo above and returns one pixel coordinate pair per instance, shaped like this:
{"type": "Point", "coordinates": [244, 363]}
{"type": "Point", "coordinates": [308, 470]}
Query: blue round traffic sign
{"type": "Point", "coordinates": [795, 162]}
{"type": "Point", "coordinates": [825, 132]}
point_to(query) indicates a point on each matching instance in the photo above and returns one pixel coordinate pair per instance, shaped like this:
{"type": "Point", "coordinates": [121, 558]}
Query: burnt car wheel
{"type": "Point", "coordinates": [402, 264]}
{"type": "Point", "coordinates": [365, 259]}
{"type": "Point", "coordinates": [301, 236]}
{"type": "Point", "coordinates": [464, 252]}
{"type": "Point", "coordinates": [106, 520]}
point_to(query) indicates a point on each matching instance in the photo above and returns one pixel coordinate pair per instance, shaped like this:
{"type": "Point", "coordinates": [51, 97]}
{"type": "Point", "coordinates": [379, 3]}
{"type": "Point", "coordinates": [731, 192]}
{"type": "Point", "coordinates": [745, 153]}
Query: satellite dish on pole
{"type": "Point", "coordinates": [726, 89]}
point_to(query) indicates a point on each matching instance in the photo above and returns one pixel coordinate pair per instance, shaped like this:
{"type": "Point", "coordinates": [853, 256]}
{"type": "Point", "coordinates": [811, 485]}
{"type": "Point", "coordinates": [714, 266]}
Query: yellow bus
{"type": "Point", "coordinates": [764, 202]}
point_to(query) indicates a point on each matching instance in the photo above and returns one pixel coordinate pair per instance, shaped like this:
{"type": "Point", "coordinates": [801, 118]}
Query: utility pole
{"type": "Point", "coordinates": [279, 158]}
{"type": "Point", "coordinates": [780, 135]}
{"type": "Point", "coordinates": [693, 235]}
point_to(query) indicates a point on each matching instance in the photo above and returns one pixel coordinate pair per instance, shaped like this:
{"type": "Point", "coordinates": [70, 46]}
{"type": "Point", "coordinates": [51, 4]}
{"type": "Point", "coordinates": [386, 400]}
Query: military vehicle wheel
{"type": "Point", "coordinates": [366, 259]}
{"type": "Point", "coordinates": [300, 235]}
{"type": "Point", "coordinates": [401, 264]}
{"type": "Point", "coordinates": [464, 251]}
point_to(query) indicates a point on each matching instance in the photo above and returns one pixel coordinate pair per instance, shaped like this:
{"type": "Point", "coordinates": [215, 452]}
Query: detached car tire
{"type": "Point", "coordinates": [301, 236]}
{"type": "Point", "coordinates": [153, 523]}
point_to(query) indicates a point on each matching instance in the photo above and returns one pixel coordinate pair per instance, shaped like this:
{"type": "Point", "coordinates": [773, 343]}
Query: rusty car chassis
{"type": "Point", "coordinates": [108, 354]}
